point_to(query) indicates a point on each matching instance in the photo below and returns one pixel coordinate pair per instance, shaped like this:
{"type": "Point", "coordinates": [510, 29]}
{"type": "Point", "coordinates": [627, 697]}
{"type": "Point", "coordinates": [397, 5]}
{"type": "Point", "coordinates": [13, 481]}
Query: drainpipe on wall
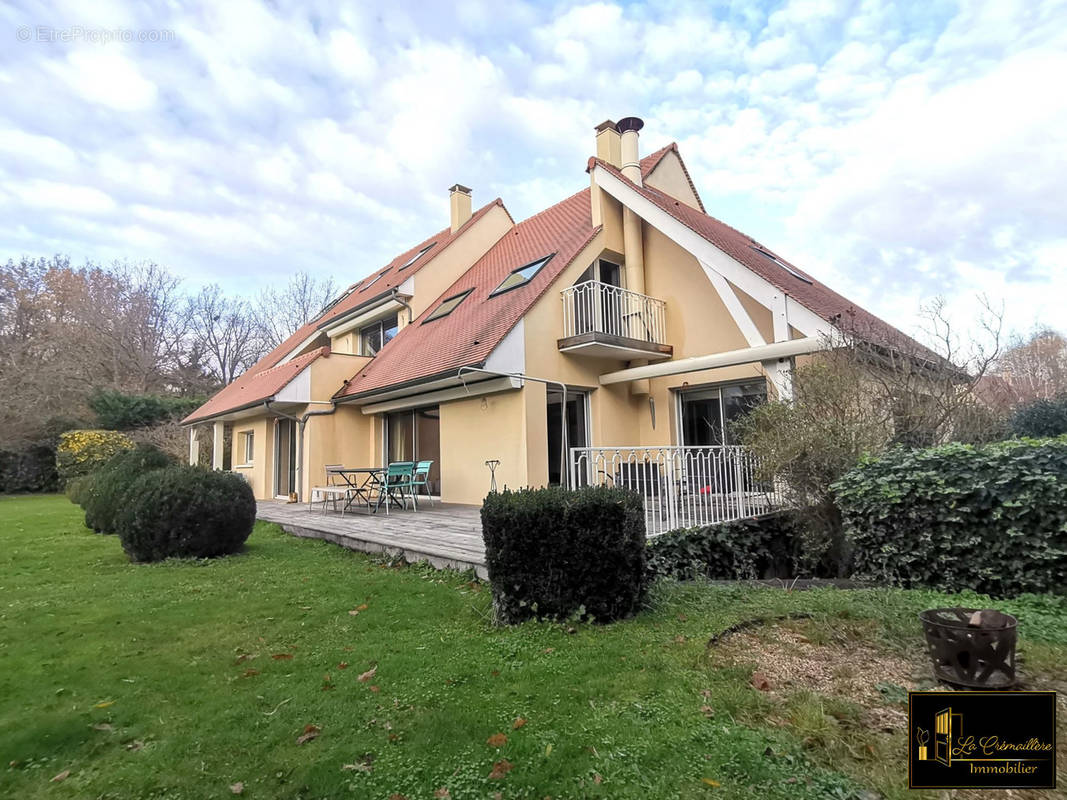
{"type": "Point", "coordinates": [564, 472]}
{"type": "Point", "coordinates": [301, 424]}
{"type": "Point", "coordinates": [405, 304]}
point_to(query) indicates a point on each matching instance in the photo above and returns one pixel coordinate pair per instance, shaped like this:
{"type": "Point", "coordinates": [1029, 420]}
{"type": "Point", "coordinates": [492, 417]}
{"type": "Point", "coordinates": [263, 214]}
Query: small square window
{"type": "Point", "coordinates": [521, 276]}
{"type": "Point", "coordinates": [447, 306]}
{"type": "Point", "coordinates": [377, 335]}
{"type": "Point", "coordinates": [250, 448]}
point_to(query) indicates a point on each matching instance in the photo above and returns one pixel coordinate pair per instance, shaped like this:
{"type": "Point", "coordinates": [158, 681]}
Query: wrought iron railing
{"type": "Point", "coordinates": [682, 487]}
{"type": "Point", "coordinates": [595, 307]}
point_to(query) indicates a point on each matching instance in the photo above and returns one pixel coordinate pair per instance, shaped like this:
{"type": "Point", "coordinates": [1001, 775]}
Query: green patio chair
{"type": "Point", "coordinates": [421, 478]}
{"type": "Point", "coordinates": [398, 484]}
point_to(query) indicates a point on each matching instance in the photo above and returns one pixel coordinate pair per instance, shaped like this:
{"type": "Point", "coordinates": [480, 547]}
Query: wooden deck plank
{"type": "Point", "coordinates": [447, 536]}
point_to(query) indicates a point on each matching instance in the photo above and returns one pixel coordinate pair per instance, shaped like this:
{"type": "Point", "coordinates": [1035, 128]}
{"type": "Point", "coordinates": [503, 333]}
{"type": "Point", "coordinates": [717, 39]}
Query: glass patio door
{"type": "Point", "coordinates": [415, 435]}
{"type": "Point", "coordinates": [577, 429]}
{"type": "Point", "coordinates": [284, 457]}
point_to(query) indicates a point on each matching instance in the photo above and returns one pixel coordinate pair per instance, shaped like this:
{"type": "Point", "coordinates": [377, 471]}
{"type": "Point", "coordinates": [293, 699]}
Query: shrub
{"type": "Point", "coordinates": [1041, 417]}
{"type": "Point", "coordinates": [122, 412]}
{"type": "Point", "coordinates": [991, 518]}
{"type": "Point", "coordinates": [185, 512]}
{"type": "Point", "coordinates": [553, 553]}
{"type": "Point", "coordinates": [85, 451]}
{"type": "Point", "coordinates": [28, 469]}
{"type": "Point", "coordinates": [762, 547]}
{"type": "Point", "coordinates": [103, 493]}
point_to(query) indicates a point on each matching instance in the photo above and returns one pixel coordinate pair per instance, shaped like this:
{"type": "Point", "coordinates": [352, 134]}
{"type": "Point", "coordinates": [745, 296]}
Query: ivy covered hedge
{"type": "Point", "coordinates": [553, 553]}
{"type": "Point", "coordinates": [991, 518]}
{"type": "Point", "coordinates": [769, 546]}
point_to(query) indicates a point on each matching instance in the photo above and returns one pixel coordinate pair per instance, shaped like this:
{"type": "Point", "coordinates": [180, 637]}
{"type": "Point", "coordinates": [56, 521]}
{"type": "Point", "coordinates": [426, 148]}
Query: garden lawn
{"type": "Point", "coordinates": [198, 679]}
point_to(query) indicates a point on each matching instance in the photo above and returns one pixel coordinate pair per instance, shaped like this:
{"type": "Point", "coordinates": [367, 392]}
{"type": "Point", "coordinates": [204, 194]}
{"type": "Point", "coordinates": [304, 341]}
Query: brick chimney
{"type": "Point", "coordinates": [608, 143]}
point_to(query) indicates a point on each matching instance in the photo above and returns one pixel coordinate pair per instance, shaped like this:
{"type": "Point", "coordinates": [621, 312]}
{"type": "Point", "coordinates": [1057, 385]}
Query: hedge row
{"type": "Point", "coordinates": [30, 469]}
{"type": "Point", "coordinates": [103, 494]}
{"type": "Point", "coordinates": [769, 546]}
{"type": "Point", "coordinates": [991, 518]}
{"type": "Point", "coordinates": [81, 452]}
{"type": "Point", "coordinates": [553, 553]}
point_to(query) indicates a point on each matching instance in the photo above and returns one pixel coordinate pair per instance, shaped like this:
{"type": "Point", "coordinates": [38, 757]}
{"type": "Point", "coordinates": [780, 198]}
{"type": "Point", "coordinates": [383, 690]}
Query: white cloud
{"type": "Point", "coordinates": [107, 78]}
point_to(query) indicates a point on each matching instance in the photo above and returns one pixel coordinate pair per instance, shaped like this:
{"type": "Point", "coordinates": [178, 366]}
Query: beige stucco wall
{"type": "Point", "coordinates": [669, 177]}
{"type": "Point", "coordinates": [260, 472]}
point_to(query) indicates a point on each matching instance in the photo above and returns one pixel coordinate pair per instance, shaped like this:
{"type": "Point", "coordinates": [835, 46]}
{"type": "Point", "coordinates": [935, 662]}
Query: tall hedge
{"type": "Point", "coordinates": [84, 451]}
{"type": "Point", "coordinates": [185, 512]}
{"type": "Point", "coordinates": [1041, 417]}
{"type": "Point", "coordinates": [28, 469]}
{"type": "Point", "coordinates": [122, 412]}
{"type": "Point", "coordinates": [553, 553]}
{"type": "Point", "coordinates": [104, 495]}
{"type": "Point", "coordinates": [991, 518]}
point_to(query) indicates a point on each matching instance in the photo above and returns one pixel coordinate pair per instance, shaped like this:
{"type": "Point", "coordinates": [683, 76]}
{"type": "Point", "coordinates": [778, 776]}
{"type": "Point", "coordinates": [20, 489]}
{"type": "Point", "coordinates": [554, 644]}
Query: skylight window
{"type": "Point", "coordinates": [340, 297]}
{"type": "Point", "coordinates": [416, 257]}
{"type": "Point", "coordinates": [780, 263]}
{"type": "Point", "coordinates": [374, 280]}
{"type": "Point", "coordinates": [521, 276]}
{"type": "Point", "coordinates": [447, 306]}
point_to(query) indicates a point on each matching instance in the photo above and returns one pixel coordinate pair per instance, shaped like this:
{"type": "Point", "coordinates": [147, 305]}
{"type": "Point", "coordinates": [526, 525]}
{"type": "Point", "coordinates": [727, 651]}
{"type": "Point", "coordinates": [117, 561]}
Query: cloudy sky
{"type": "Point", "coordinates": [897, 150]}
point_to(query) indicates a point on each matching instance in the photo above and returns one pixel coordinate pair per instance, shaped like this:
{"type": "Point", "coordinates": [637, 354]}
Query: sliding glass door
{"type": "Point", "coordinates": [284, 457]}
{"type": "Point", "coordinates": [706, 414]}
{"type": "Point", "coordinates": [415, 435]}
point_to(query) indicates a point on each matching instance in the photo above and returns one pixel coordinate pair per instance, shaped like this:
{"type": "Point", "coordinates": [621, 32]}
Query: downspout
{"type": "Point", "coordinates": [301, 424]}
{"type": "Point", "coordinates": [564, 472]}
{"type": "Point", "coordinates": [405, 304]}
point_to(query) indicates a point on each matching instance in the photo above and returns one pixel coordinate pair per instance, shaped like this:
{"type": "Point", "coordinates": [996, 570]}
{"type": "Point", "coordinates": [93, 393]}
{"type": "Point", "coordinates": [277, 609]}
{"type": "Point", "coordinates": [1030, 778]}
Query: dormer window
{"type": "Point", "coordinates": [521, 276]}
{"type": "Point", "coordinates": [373, 337]}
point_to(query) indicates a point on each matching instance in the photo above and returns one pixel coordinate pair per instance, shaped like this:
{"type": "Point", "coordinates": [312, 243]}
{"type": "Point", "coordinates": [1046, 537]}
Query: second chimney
{"type": "Point", "coordinates": [631, 160]}
{"type": "Point", "coordinates": [459, 198]}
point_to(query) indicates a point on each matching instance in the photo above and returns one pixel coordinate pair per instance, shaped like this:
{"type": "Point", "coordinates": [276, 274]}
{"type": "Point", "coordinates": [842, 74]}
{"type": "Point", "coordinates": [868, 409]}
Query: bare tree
{"type": "Point", "coordinates": [224, 332]}
{"type": "Point", "coordinates": [1034, 367]}
{"type": "Point", "coordinates": [279, 312]}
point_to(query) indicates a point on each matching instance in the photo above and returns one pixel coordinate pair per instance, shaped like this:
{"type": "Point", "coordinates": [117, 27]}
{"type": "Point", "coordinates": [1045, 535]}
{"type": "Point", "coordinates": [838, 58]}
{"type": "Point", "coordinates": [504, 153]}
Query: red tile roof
{"type": "Point", "coordinates": [478, 324]}
{"type": "Point", "coordinates": [365, 290]}
{"type": "Point", "coordinates": [251, 389]}
{"type": "Point", "coordinates": [815, 296]}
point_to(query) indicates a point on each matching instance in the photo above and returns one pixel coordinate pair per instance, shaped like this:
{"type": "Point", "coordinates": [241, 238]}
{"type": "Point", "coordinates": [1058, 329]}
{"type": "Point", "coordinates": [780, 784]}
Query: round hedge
{"type": "Point", "coordinates": [104, 495]}
{"type": "Point", "coordinates": [186, 512]}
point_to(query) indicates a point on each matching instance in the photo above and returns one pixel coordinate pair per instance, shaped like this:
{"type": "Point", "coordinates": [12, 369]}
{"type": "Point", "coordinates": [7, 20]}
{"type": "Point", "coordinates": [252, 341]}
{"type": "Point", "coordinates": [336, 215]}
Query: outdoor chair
{"type": "Point", "coordinates": [399, 483]}
{"type": "Point", "coordinates": [330, 492]}
{"type": "Point", "coordinates": [422, 478]}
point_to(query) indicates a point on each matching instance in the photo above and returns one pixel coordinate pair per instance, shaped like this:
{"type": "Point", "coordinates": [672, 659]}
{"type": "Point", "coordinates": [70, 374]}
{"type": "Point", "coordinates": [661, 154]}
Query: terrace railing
{"type": "Point", "coordinates": [595, 307]}
{"type": "Point", "coordinates": [682, 487]}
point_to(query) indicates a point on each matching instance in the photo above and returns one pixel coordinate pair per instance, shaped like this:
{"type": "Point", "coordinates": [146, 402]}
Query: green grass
{"type": "Point", "coordinates": [159, 681]}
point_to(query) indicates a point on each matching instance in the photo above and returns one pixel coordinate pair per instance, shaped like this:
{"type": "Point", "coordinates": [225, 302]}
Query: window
{"type": "Point", "coordinates": [705, 414]}
{"type": "Point", "coordinates": [250, 449]}
{"type": "Point", "coordinates": [377, 335]}
{"type": "Point", "coordinates": [447, 306]}
{"type": "Point", "coordinates": [375, 279]}
{"type": "Point", "coordinates": [521, 276]}
{"type": "Point", "coordinates": [781, 263]}
{"type": "Point", "coordinates": [416, 257]}
{"type": "Point", "coordinates": [340, 297]}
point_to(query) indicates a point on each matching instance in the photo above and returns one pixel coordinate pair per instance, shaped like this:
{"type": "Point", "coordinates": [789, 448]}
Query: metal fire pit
{"type": "Point", "coordinates": [971, 646]}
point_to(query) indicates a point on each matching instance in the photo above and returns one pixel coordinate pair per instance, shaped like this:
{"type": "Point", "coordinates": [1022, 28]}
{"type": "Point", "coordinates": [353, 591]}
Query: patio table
{"type": "Point", "coordinates": [363, 481]}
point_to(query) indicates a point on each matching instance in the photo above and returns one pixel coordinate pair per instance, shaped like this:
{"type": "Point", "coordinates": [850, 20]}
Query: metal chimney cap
{"type": "Point", "coordinates": [630, 124]}
{"type": "Point", "coordinates": [606, 125]}
{"type": "Point", "coordinates": [459, 188]}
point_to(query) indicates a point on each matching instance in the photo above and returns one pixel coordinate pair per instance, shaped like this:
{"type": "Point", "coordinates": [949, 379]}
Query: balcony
{"type": "Point", "coordinates": [604, 321]}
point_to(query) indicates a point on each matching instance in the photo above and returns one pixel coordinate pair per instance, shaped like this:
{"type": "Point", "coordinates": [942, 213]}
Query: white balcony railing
{"type": "Point", "coordinates": [595, 307]}
{"type": "Point", "coordinates": [682, 487]}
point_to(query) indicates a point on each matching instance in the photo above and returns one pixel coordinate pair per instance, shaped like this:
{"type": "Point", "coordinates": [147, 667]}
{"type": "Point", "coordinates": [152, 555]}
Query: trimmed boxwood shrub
{"type": "Point", "coordinates": [991, 518]}
{"type": "Point", "coordinates": [82, 452]}
{"type": "Point", "coordinates": [29, 469]}
{"type": "Point", "coordinates": [185, 512]}
{"type": "Point", "coordinates": [762, 547]}
{"type": "Point", "coordinates": [104, 492]}
{"type": "Point", "coordinates": [554, 553]}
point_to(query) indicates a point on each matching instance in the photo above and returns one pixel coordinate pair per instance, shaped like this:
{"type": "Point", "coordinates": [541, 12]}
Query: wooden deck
{"type": "Point", "coordinates": [448, 536]}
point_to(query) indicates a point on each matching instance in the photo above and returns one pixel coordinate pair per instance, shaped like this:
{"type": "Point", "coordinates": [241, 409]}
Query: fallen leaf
{"type": "Point", "coordinates": [364, 764]}
{"type": "Point", "coordinates": [237, 788]}
{"type": "Point", "coordinates": [282, 656]}
{"type": "Point", "coordinates": [710, 782]}
{"type": "Point", "coordinates": [500, 769]}
{"type": "Point", "coordinates": [397, 797]}
{"type": "Point", "coordinates": [550, 650]}
{"type": "Point", "coordinates": [705, 693]}
{"type": "Point", "coordinates": [518, 723]}
{"type": "Point", "coordinates": [597, 779]}
{"type": "Point", "coordinates": [442, 793]}
{"type": "Point", "coordinates": [243, 658]}
{"type": "Point", "coordinates": [548, 750]}
{"type": "Point", "coordinates": [679, 639]}
{"type": "Point", "coordinates": [248, 673]}
{"type": "Point", "coordinates": [375, 689]}
{"type": "Point", "coordinates": [682, 617]}
{"type": "Point", "coordinates": [761, 682]}
{"type": "Point", "coordinates": [310, 732]}
{"type": "Point", "coordinates": [135, 745]}
{"type": "Point", "coordinates": [497, 740]}
{"type": "Point", "coordinates": [343, 665]}
{"type": "Point", "coordinates": [104, 704]}
{"type": "Point", "coordinates": [366, 676]}
{"type": "Point", "coordinates": [61, 776]}
{"type": "Point", "coordinates": [102, 726]}
{"type": "Point", "coordinates": [707, 711]}
{"type": "Point", "coordinates": [357, 609]}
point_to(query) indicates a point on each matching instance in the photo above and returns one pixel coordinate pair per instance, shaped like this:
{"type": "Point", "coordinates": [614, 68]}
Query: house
{"type": "Point", "coordinates": [622, 319]}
